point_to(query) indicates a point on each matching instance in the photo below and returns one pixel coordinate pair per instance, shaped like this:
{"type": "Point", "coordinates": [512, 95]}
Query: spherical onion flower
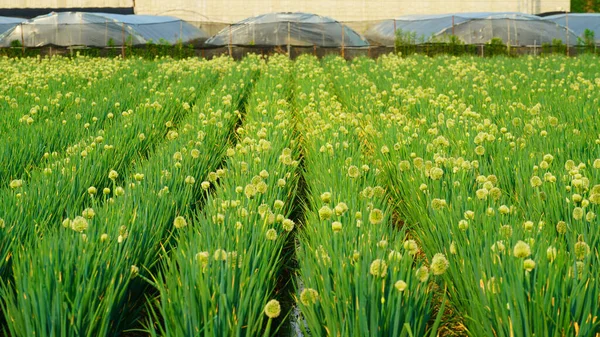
{"type": "Point", "coordinates": [576, 197]}
{"type": "Point", "coordinates": [590, 216]}
{"type": "Point", "coordinates": [528, 264]}
{"type": "Point", "coordinates": [288, 225]}
{"type": "Point", "coordinates": [411, 246]}
{"type": "Point", "coordinates": [436, 173]}
{"type": "Point", "coordinates": [578, 213]}
{"type": "Point", "coordinates": [220, 255]}
{"type": "Point", "coordinates": [551, 253]}
{"type": "Point", "coordinates": [569, 165]}
{"type": "Point", "coordinates": [400, 285]}
{"type": "Point", "coordinates": [262, 187]}
{"type": "Point", "coordinates": [561, 227]}
{"type": "Point", "coordinates": [535, 181]}
{"type": "Point", "coordinates": [14, 184]}
{"type": "Point", "coordinates": [482, 194]}
{"type": "Point", "coordinates": [271, 234]}
{"type": "Point", "coordinates": [79, 224]}
{"type": "Point", "coordinates": [309, 296]}
{"type": "Point", "coordinates": [179, 222]}
{"type": "Point", "coordinates": [250, 191]}
{"type": "Point", "coordinates": [378, 268]}
{"type": "Point", "coordinates": [336, 226]}
{"type": "Point", "coordinates": [521, 249]}
{"type": "Point", "coordinates": [340, 208]}
{"type": "Point", "coordinates": [272, 309]}
{"type": "Point", "coordinates": [278, 204]}
{"type": "Point", "coordinates": [88, 213]}
{"type": "Point", "coordinates": [438, 204]}
{"type": "Point", "coordinates": [112, 175]}
{"type": "Point", "coordinates": [463, 225]}
{"type": "Point", "coordinates": [582, 249]}
{"type": "Point", "coordinates": [422, 274]}
{"type": "Point", "coordinates": [375, 216]}
{"type": "Point", "coordinates": [326, 197]}
{"type": "Point", "coordinates": [548, 158]}
{"type": "Point", "coordinates": [281, 182]}
{"type": "Point", "coordinates": [106, 191]}
{"type": "Point", "coordinates": [528, 225]}
{"type": "Point", "coordinates": [205, 185]}
{"type": "Point", "coordinates": [495, 193]}
{"type": "Point", "coordinates": [498, 246]}
{"type": "Point", "coordinates": [503, 209]}
{"type": "Point", "coordinates": [355, 255]}
{"type": "Point", "coordinates": [480, 150]}
{"type": "Point", "coordinates": [439, 264]}
{"type": "Point", "coordinates": [195, 153]}
{"type": "Point", "coordinates": [506, 231]}
{"type": "Point", "coordinates": [92, 190]}
{"type": "Point", "coordinates": [453, 249]}
{"type": "Point", "coordinates": [394, 256]}
{"type": "Point", "coordinates": [134, 270]}
{"type": "Point", "coordinates": [325, 213]}
{"type": "Point", "coordinates": [119, 191]}
{"type": "Point", "coordinates": [404, 165]}
{"type": "Point", "coordinates": [353, 172]}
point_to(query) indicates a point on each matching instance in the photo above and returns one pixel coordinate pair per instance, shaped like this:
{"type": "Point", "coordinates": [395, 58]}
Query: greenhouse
{"type": "Point", "coordinates": [296, 29]}
{"type": "Point", "coordinates": [101, 30]}
{"type": "Point", "coordinates": [516, 29]}
{"type": "Point", "coordinates": [7, 23]}
{"type": "Point", "coordinates": [578, 23]}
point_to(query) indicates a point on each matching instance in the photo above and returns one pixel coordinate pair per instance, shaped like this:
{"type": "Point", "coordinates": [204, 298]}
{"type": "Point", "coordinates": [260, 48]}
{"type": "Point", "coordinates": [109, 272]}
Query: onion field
{"type": "Point", "coordinates": [402, 196]}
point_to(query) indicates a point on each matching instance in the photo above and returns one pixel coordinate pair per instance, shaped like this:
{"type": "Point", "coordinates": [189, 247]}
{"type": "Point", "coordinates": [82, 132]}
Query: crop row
{"type": "Point", "coordinates": [399, 196]}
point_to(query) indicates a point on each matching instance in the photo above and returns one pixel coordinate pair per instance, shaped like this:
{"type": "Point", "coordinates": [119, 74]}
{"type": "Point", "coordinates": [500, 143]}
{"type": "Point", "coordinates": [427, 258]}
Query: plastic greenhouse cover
{"type": "Point", "coordinates": [101, 30]}
{"type": "Point", "coordinates": [426, 26]}
{"type": "Point", "coordinates": [7, 23]}
{"type": "Point", "coordinates": [515, 32]}
{"type": "Point", "coordinates": [578, 23]}
{"type": "Point", "coordinates": [297, 29]}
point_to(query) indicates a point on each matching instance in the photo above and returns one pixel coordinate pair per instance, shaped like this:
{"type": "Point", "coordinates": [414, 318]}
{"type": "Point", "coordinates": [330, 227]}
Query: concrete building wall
{"type": "Point", "coordinates": [342, 10]}
{"type": "Point", "coordinates": [65, 3]}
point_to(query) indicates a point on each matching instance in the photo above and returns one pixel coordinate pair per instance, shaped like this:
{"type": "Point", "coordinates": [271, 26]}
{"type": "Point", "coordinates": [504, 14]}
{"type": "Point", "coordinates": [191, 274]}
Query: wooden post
{"type": "Point", "coordinates": [123, 40]}
{"type": "Point", "coordinates": [289, 46]}
{"type": "Point", "coordinates": [508, 39]}
{"type": "Point", "coordinates": [395, 37]}
{"type": "Point", "coordinates": [567, 30]}
{"type": "Point", "coordinates": [22, 41]}
{"type": "Point", "coordinates": [230, 42]}
{"type": "Point", "coordinates": [314, 49]}
{"type": "Point", "coordinates": [343, 51]}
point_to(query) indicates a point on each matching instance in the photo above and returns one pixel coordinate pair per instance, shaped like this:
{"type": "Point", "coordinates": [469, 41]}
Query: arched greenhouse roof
{"type": "Point", "coordinates": [7, 23]}
{"type": "Point", "coordinates": [476, 27]}
{"type": "Point", "coordinates": [298, 29]}
{"type": "Point", "coordinates": [101, 30]}
{"type": "Point", "coordinates": [578, 23]}
{"type": "Point", "coordinates": [515, 30]}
